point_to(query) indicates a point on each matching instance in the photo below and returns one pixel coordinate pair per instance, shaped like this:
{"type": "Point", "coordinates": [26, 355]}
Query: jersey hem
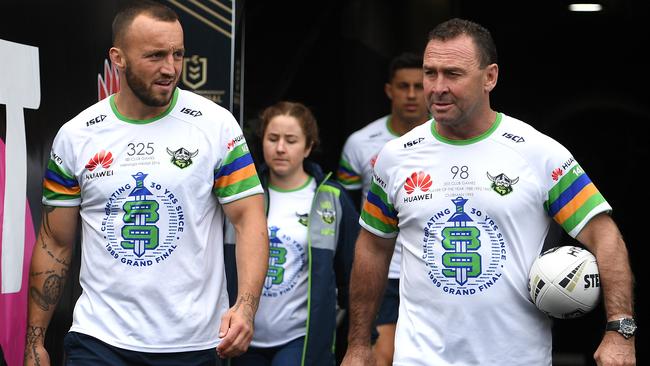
{"type": "Point", "coordinates": [169, 348]}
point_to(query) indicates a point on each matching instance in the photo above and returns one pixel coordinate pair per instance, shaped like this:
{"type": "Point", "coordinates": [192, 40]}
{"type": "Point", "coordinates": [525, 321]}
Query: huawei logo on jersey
{"type": "Point", "coordinates": [234, 142]}
{"type": "Point", "coordinates": [373, 160]}
{"type": "Point", "coordinates": [419, 180]}
{"type": "Point", "coordinates": [103, 158]}
{"type": "Point", "coordinates": [556, 174]}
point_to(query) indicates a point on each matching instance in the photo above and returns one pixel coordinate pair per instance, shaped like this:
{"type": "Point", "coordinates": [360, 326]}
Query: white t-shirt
{"type": "Point", "coordinates": [282, 314]}
{"type": "Point", "coordinates": [357, 162]}
{"type": "Point", "coordinates": [472, 217]}
{"type": "Point", "coordinates": [150, 195]}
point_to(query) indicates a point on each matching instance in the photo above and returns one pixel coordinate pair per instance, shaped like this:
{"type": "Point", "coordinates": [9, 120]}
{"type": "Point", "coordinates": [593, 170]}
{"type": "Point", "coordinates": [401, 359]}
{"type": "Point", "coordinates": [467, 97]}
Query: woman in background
{"type": "Point", "coordinates": [312, 229]}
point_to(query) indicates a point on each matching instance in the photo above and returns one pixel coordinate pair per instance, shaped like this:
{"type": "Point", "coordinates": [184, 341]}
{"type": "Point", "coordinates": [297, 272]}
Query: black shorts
{"type": "Point", "coordinates": [84, 350]}
{"type": "Point", "coordinates": [389, 308]}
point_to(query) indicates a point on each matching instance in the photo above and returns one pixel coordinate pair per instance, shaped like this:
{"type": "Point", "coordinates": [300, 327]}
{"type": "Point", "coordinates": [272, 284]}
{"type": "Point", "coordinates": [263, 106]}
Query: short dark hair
{"type": "Point", "coordinates": [482, 38]}
{"type": "Point", "coordinates": [129, 12]}
{"type": "Point", "coordinates": [406, 60]}
{"type": "Point", "coordinates": [298, 111]}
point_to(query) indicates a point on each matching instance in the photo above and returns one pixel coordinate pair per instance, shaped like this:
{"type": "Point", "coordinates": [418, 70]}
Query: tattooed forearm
{"type": "Point", "coordinates": [61, 261]}
{"type": "Point", "coordinates": [250, 301]}
{"type": "Point", "coordinates": [34, 274]}
{"type": "Point", "coordinates": [35, 337]}
{"type": "Point", "coordinates": [47, 210]}
{"type": "Point", "coordinates": [52, 289]}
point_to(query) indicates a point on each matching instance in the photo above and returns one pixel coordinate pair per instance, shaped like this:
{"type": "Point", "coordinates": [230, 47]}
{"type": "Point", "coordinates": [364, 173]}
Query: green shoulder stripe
{"type": "Point", "coordinates": [237, 188]}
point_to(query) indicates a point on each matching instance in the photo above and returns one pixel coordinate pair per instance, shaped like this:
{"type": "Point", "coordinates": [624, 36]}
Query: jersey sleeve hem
{"type": "Point", "coordinates": [247, 193]}
{"type": "Point", "coordinates": [374, 231]}
{"type": "Point", "coordinates": [61, 203]}
{"type": "Point", "coordinates": [350, 187]}
{"type": "Point", "coordinates": [603, 207]}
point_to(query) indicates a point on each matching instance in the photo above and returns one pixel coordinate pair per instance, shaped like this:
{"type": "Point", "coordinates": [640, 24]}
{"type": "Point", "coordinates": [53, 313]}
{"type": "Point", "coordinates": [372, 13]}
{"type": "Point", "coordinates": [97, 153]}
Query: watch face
{"type": "Point", "coordinates": [628, 326]}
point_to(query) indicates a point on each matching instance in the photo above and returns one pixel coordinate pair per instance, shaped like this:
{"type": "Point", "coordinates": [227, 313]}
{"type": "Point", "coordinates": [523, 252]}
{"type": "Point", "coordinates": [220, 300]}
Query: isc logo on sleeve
{"type": "Point", "coordinates": [512, 137]}
{"type": "Point", "coordinates": [191, 112]}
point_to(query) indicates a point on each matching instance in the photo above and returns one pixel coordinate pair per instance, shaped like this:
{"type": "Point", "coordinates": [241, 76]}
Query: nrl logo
{"type": "Point", "coordinates": [195, 71]}
{"type": "Point", "coordinates": [502, 184]}
{"type": "Point", "coordinates": [182, 157]}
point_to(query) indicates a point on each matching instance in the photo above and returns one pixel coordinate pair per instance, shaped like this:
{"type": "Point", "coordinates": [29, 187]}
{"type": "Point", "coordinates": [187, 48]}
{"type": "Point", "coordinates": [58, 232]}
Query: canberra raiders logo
{"type": "Point", "coordinates": [287, 260]}
{"type": "Point", "coordinates": [303, 219]}
{"type": "Point", "coordinates": [182, 157]}
{"type": "Point", "coordinates": [502, 184]}
{"type": "Point", "coordinates": [463, 249]}
{"type": "Point", "coordinates": [143, 222]}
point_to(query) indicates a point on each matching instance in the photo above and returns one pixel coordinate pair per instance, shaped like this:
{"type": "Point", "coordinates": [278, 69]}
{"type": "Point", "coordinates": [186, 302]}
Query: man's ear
{"type": "Point", "coordinates": [117, 57]}
{"type": "Point", "coordinates": [388, 89]}
{"type": "Point", "coordinates": [491, 76]}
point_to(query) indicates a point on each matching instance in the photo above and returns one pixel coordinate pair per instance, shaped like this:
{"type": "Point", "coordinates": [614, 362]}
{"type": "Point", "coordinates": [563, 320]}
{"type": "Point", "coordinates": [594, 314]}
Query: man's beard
{"type": "Point", "coordinates": [140, 90]}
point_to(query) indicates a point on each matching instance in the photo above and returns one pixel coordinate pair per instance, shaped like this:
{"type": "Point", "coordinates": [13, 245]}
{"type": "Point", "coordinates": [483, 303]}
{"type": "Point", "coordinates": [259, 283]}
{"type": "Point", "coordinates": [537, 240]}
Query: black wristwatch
{"type": "Point", "coordinates": [625, 326]}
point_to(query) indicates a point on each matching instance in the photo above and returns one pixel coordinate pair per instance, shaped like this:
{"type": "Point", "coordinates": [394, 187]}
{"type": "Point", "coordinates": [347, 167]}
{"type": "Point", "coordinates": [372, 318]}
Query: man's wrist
{"type": "Point", "coordinates": [35, 335]}
{"type": "Point", "coordinates": [625, 326]}
{"type": "Point", "coordinates": [357, 341]}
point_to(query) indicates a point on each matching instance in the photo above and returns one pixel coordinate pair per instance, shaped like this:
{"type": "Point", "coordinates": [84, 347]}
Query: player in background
{"type": "Point", "coordinates": [408, 110]}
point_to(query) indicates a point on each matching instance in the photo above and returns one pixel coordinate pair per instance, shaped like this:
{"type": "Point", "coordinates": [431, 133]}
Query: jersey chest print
{"type": "Point", "coordinates": [143, 222]}
{"type": "Point", "coordinates": [462, 245]}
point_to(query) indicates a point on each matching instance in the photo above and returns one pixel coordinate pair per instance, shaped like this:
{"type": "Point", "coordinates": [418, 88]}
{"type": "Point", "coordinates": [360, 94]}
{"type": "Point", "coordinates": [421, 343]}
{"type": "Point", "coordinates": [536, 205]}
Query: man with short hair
{"type": "Point", "coordinates": [152, 184]}
{"type": "Point", "coordinates": [467, 242]}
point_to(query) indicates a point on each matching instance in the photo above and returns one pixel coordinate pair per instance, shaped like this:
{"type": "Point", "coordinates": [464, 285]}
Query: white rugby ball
{"type": "Point", "coordinates": [564, 282]}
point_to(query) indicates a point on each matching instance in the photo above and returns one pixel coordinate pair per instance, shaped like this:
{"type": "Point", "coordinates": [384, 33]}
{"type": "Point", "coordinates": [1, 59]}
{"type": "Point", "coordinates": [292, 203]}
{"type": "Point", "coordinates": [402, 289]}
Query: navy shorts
{"type": "Point", "coordinates": [84, 350]}
{"type": "Point", "coordinates": [289, 354]}
{"type": "Point", "coordinates": [389, 308]}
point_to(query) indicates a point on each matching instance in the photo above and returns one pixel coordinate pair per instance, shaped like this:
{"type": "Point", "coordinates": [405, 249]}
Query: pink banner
{"type": "Point", "coordinates": [13, 307]}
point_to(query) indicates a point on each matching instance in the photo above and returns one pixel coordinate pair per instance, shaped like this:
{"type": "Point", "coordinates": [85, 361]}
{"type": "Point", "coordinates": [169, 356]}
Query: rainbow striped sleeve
{"type": "Point", "coordinates": [573, 200]}
{"type": "Point", "coordinates": [347, 176]}
{"type": "Point", "coordinates": [378, 213]}
{"type": "Point", "coordinates": [237, 173]}
{"type": "Point", "coordinates": [59, 185]}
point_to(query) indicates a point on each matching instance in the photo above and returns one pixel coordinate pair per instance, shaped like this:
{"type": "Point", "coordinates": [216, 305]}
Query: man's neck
{"type": "Point", "coordinates": [400, 126]}
{"type": "Point", "coordinates": [131, 107]}
{"type": "Point", "coordinates": [468, 129]}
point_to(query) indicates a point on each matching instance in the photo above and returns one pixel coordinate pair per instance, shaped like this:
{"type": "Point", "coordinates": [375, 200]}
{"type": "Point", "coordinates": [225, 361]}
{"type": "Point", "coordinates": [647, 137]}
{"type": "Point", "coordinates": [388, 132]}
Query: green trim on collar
{"type": "Point", "coordinates": [277, 189]}
{"type": "Point", "coordinates": [473, 140]}
{"type": "Point", "coordinates": [121, 117]}
{"type": "Point", "coordinates": [390, 129]}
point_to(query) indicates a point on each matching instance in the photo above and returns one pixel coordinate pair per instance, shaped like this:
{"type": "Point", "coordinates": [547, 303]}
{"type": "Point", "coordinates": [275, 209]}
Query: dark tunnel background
{"type": "Point", "coordinates": [581, 78]}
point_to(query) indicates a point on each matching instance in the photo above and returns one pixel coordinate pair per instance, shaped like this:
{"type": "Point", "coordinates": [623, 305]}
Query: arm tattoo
{"type": "Point", "coordinates": [60, 261]}
{"type": "Point", "coordinates": [46, 220]}
{"type": "Point", "coordinates": [35, 336]}
{"type": "Point", "coordinates": [251, 303]}
{"type": "Point", "coordinates": [47, 230]}
{"type": "Point", "coordinates": [51, 292]}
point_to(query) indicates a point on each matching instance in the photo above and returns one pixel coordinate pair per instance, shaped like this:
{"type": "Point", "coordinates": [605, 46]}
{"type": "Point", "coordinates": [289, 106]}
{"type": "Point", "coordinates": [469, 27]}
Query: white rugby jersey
{"type": "Point", "coordinates": [357, 162]}
{"type": "Point", "coordinates": [150, 195]}
{"type": "Point", "coordinates": [472, 217]}
{"type": "Point", "coordinates": [282, 314]}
